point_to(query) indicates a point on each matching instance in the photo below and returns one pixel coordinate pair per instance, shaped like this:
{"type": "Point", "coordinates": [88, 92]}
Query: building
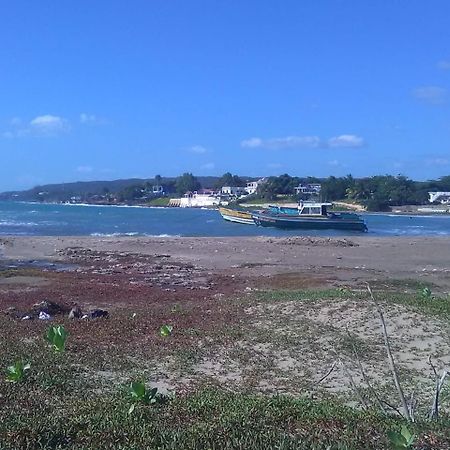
{"type": "Point", "coordinates": [197, 200]}
{"type": "Point", "coordinates": [308, 189]}
{"type": "Point", "coordinates": [439, 197]}
{"type": "Point", "coordinates": [252, 186]}
{"type": "Point", "coordinates": [157, 190]}
{"type": "Point", "coordinates": [233, 190]}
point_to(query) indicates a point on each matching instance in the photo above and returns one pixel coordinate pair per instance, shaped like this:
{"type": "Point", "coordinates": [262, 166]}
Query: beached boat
{"type": "Point", "coordinates": [308, 215]}
{"type": "Point", "coordinates": [237, 215]}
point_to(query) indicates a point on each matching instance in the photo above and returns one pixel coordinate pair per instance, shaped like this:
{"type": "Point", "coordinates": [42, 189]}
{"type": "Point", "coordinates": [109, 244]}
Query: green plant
{"type": "Point", "coordinates": [140, 394]}
{"type": "Point", "coordinates": [166, 330]}
{"type": "Point", "coordinates": [426, 292]}
{"type": "Point", "coordinates": [16, 372]}
{"type": "Point", "coordinates": [57, 336]}
{"type": "Point", "coordinates": [401, 440]}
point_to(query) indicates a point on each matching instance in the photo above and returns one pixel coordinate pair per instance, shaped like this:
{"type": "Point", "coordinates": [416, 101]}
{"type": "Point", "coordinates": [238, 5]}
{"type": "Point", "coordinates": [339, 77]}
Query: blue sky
{"type": "Point", "coordinates": [112, 89]}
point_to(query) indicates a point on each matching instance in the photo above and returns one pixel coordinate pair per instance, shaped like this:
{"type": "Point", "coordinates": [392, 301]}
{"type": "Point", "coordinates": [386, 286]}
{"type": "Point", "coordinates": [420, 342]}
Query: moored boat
{"type": "Point", "coordinates": [308, 215]}
{"type": "Point", "coordinates": [237, 215]}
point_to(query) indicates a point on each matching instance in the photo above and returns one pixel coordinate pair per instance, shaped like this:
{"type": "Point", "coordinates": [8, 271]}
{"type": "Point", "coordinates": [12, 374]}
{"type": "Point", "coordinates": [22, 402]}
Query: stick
{"type": "Point", "coordinates": [327, 374]}
{"type": "Point", "coordinates": [391, 359]}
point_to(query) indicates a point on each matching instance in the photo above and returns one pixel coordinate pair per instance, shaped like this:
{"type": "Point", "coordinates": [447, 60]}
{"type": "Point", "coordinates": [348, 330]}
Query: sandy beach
{"type": "Point", "coordinates": [345, 260]}
{"type": "Point", "coordinates": [257, 315]}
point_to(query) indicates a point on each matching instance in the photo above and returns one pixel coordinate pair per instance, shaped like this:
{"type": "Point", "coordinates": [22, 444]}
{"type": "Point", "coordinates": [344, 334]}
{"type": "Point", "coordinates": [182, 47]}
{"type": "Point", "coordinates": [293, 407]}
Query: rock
{"type": "Point", "coordinates": [44, 316]}
{"type": "Point", "coordinates": [47, 307]}
{"type": "Point", "coordinates": [75, 313]}
{"type": "Point", "coordinates": [97, 314]}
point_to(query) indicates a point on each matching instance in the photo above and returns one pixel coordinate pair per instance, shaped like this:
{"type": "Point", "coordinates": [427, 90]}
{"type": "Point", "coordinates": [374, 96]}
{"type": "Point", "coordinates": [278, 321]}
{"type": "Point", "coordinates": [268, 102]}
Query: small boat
{"type": "Point", "coordinates": [308, 215]}
{"type": "Point", "coordinates": [237, 215]}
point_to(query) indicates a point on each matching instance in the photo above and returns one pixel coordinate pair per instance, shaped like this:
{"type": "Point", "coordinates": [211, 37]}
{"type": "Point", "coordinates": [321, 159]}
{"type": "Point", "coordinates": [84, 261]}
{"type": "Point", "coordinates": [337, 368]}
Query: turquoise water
{"type": "Point", "coordinates": [32, 219]}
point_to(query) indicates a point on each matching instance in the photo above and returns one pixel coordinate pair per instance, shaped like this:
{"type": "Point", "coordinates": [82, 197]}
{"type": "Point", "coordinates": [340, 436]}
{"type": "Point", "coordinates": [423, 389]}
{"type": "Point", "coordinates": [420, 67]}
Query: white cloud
{"type": "Point", "coordinates": [208, 166]}
{"type": "Point", "coordinates": [434, 95]}
{"type": "Point", "coordinates": [304, 142]}
{"type": "Point", "coordinates": [45, 125]}
{"type": "Point", "coordinates": [274, 166]}
{"type": "Point", "coordinates": [49, 125]}
{"type": "Point", "coordinates": [15, 121]}
{"type": "Point", "coordinates": [84, 169]}
{"type": "Point", "coordinates": [346, 141]}
{"type": "Point", "coordinates": [91, 119]}
{"type": "Point", "coordinates": [333, 162]}
{"type": "Point", "coordinates": [197, 149]}
{"type": "Point", "coordinates": [283, 142]}
{"type": "Point", "coordinates": [443, 64]}
{"type": "Point", "coordinates": [438, 162]}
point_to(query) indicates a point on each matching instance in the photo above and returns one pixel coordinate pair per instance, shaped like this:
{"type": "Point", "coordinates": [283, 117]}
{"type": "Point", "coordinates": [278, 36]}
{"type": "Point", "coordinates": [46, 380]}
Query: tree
{"type": "Point", "coordinates": [228, 179]}
{"type": "Point", "coordinates": [186, 182]}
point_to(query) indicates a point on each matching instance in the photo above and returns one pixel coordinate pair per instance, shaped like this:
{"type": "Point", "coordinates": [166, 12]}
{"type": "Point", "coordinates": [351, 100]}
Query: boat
{"type": "Point", "coordinates": [237, 215]}
{"type": "Point", "coordinates": [308, 215]}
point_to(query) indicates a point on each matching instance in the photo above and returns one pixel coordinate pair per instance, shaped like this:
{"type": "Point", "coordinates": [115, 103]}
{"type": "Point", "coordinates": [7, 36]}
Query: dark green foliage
{"type": "Point", "coordinates": [187, 182]}
{"type": "Point", "coordinates": [228, 179]}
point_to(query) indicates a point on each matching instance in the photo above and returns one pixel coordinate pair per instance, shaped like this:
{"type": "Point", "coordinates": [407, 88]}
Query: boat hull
{"type": "Point", "coordinates": [236, 216]}
{"type": "Point", "coordinates": [320, 223]}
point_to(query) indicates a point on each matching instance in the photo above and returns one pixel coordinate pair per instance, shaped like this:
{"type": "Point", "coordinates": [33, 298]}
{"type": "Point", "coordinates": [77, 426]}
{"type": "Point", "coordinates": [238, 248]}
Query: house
{"type": "Point", "coordinates": [197, 200]}
{"type": "Point", "coordinates": [308, 189]}
{"type": "Point", "coordinates": [252, 186]}
{"type": "Point", "coordinates": [439, 197]}
{"type": "Point", "coordinates": [157, 190]}
{"type": "Point", "coordinates": [233, 190]}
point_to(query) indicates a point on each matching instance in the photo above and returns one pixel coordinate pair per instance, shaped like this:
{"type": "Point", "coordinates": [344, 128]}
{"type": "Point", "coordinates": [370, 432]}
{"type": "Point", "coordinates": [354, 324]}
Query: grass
{"type": "Point", "coordinates": [207, 419]}
{"type": "Point", "coordinates": [436, 305]}
{"type": "Point", "coordinates": [78, 400]}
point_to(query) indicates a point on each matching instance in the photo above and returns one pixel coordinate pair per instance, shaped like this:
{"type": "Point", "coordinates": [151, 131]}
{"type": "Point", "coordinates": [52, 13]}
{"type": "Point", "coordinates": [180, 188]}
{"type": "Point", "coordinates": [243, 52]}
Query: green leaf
{"type": "Point", "coordinates": [137, 390]}
{"type": "Point", "coordinates": [16, 372]}
{"type": "Point", "coordinates": [57, 336]}
{"type": "Point", "coordinates": [397, 439]}
{"type": "Point", "coordinates": [407, 435]}
{"type": "Point", "coordinates": [166, 330]}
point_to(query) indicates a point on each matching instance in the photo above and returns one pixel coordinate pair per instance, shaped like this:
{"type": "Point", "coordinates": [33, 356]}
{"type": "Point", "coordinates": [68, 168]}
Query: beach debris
{"type": "Point", "coordinates": [96, 314]}
{"type": "Point", "coordinates": [27, 317]}
{"type": "Point", "coordinates": [75, 313]}
{"type": "Point", "coordinates": [48, 307]}
{"type": "Point", "coordinates": [44, 316]}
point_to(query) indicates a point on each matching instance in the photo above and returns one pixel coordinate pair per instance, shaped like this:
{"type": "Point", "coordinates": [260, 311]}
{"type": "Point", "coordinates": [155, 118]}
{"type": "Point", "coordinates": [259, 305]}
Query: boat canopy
{"type": "Point", "coordinates": [313, 208]}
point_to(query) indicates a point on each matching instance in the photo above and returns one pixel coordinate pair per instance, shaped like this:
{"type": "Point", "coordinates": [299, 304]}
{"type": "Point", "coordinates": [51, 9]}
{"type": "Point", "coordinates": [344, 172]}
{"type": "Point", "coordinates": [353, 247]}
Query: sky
{"type": "Point", "coordinates": [113, 89]}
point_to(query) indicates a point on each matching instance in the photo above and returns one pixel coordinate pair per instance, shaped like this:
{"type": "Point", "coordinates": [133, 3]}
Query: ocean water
{"type": "Point", "coordinates": [32, 219]}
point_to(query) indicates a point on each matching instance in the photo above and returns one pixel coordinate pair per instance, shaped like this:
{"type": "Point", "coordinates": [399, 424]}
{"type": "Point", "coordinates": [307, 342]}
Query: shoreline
{"type": "Point", "coordinates": [344, 259]}
{"type": "Point", "coordinates": [428, 213]}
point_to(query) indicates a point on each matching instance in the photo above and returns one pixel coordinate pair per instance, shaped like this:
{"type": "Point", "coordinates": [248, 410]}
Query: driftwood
{"type": "Point", "coordinates": [434, 412]}
{"type": "Point", "coordinates": [327, 374]}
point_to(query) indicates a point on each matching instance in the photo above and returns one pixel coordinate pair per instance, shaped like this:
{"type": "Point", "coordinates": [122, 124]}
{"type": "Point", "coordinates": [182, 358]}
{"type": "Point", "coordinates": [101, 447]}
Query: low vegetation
{"type": "Point", "coordinates": [84, 393]}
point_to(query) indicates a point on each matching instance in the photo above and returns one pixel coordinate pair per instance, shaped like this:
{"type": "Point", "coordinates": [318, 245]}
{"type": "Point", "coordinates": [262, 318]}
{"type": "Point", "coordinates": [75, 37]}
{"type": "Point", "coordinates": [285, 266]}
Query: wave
{"type": "Point", "coordinates": [14, 223]}
{"type": "Point", "coordinates": [133, 233]}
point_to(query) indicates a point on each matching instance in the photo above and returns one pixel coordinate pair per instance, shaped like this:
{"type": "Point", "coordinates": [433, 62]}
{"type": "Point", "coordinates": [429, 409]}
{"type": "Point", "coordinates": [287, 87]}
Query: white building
{"type": "Point", "coordinates": [440, 197]}
{"type": "Point", "coordinates": [198, 200]}
{"type": "Point", "coordinates": [308, 189]}
{"type": "Point", "coordinates": [233, 190]}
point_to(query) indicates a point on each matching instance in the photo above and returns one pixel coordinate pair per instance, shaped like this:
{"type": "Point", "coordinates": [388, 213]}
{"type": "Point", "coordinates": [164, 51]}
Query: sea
{"type": "Point", "coordinates": [36, 219]}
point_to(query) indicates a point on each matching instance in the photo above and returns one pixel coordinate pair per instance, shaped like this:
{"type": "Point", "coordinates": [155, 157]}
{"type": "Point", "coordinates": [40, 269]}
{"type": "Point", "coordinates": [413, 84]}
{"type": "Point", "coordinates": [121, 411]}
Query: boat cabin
{"type": "Point", "coordinates": [313, 208]}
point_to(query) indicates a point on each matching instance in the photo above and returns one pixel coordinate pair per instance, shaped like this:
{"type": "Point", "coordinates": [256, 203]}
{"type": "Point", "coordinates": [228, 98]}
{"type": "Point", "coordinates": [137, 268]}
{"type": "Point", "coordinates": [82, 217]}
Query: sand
{"type": "Point", "coordinates": [344, 259]}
